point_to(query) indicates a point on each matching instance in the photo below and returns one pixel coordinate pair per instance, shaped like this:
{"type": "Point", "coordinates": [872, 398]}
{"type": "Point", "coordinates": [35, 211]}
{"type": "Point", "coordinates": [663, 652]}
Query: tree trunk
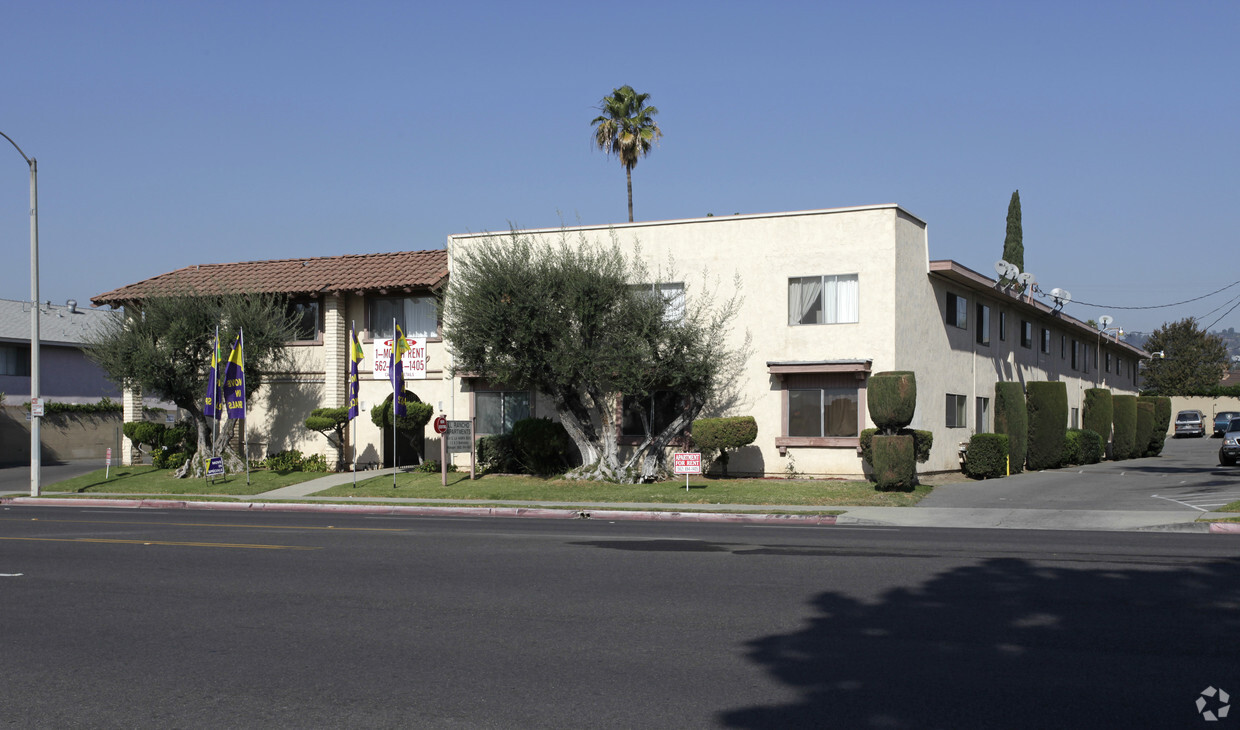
{"type": "Point", "coordinates": [628, 177]}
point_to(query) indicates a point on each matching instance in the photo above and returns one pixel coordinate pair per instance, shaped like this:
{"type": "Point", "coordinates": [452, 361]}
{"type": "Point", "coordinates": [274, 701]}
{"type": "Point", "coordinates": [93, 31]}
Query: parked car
{"type": "Point", "coordinates": [1230, 450]}
{"type": "Point", "coordinates": [1190, 423]}
{"type": "Point", "coordinates": [1221, 421]}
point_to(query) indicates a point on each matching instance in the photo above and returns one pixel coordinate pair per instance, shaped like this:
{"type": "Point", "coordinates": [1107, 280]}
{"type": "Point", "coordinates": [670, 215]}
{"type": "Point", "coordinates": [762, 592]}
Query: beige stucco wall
{"type": "Point", "coordinates": [764, 251]}
{"type": "Point", "coordinates": [1208, 406]}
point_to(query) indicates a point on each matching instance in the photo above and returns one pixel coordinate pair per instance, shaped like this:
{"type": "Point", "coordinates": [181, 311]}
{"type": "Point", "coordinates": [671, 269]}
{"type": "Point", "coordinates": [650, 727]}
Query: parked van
{"type": "Point", "coordinates": [1190, 423]}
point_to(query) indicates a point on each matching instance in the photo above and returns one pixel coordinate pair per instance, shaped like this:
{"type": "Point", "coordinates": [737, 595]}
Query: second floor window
{"type": "Point", "coordinates": [14, 360]}
{"type": "Point", "coordinates": [983, 324]}
{"type": "Point", "coordinates": [305, 316]}
{"type": "Point", "coordinates": [415, 315]}
{"type": "Point", "coordinates": [823, 299]}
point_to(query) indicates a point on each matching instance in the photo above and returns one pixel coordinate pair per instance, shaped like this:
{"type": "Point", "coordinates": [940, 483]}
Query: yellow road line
{"type": "Point", "coordinates": [162, 542]}
{"type": "Point", "coordinates": [207, 524]}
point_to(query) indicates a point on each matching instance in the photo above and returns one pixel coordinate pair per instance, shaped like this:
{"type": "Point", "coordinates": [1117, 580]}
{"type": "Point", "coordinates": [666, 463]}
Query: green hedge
{"type": "Point", "coordinates": [542, 445]}
{"type": "Point", "coordinates": [1012, 418]}
{"type": "Point", "coordinates": [721, 434]}
{"type": "Point", "coordinates": [986, 456]}
{"type": "Point", "coordinates": [923, 441]}
{"type": "Point", "coordinates": [1162, 422]}
{"type": "Point", "coordinates": [497, 454]}
{"type": "Point", "coordinates": [1082, 446]}
{"type": "Point", "coordinates": [1097, 413]}
{"type": "Point", "coordinates": [1124, 408]}
{"type": "Point", "coordinates": [1145, 429]}
{"type": "Point", "coordinates": [892, 399]}
{"type": "Point", "coordinates": [1047, 408]}
{"type": "Point", "coordinates": [894, 467]}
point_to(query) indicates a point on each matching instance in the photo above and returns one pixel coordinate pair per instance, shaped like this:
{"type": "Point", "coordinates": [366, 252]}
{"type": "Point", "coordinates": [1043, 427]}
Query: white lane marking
{"type": "Point", "coordinates": [1186, 504]}
{"type": "Point", "coordinates": [11, 575]}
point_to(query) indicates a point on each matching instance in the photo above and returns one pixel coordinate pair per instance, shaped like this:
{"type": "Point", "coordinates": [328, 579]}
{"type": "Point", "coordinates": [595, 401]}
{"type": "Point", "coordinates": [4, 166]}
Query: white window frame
{"type": "Point", "coordinates": [957, 410]}
{"type": "Point", "coordinates": [834, 298]}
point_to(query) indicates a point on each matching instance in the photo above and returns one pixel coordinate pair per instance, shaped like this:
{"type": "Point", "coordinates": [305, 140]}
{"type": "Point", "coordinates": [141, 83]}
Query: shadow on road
{"type": "Point", "coordinates": [1008, 643]}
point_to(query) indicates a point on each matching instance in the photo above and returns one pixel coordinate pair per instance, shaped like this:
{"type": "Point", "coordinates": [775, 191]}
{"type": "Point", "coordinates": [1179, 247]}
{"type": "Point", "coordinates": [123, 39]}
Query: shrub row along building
{"type": "Point", "coordinates": [830, 296]}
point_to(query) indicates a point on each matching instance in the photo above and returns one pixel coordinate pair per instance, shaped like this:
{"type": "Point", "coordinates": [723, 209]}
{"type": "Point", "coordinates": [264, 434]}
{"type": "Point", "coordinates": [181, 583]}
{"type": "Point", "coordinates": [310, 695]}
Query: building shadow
{"type": "Point", "coordinates": [1007, 643]}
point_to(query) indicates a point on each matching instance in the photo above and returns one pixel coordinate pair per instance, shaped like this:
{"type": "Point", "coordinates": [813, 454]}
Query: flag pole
{"type": "Point", "coordinates": [215, 396]}
{"type": "Point", "coordinates": [349, 395]}
{"type": "Point", "coordinates": [395, 396]}
{"type": "Point", "coordinates": [245, 431]}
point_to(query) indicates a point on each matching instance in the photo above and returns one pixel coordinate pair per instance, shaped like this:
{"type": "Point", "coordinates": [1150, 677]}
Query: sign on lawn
{"type": "Point", "coordinates": [414, 360]}
{"type": "Point", "coordinates": [687, 464]}
{"type": "Point", "coordinates": [215, 466]}
{"type": "Point", "coordinates": [458, 437]}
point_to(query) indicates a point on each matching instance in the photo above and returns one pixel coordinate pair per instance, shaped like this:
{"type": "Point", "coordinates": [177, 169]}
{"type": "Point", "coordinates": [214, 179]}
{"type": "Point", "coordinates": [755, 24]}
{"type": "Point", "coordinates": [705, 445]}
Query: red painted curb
{"type": "Point", "coordinates": [1225, 528]}
{"type": "Point", "coordinates": [428, 511]}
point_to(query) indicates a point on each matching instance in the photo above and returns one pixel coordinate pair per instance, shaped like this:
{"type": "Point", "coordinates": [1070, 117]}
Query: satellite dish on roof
{"type": "Point", "coordinates": [1061, 296]}
{"type": "Point", "coordinates": [1027, 279]}
{"type": "Point", "coordinates": [1006, 270]}
{"type": "Point", "coordinates": [1105, 321]}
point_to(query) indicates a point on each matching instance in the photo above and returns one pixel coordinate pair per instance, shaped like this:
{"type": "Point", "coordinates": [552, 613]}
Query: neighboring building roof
{"type": "Point", "coordinates": [1231, 378]}
{"type": "Point", "coordinates": [58, 324]}
{"type": "Point", "coordinates": [970, 279]}
{"type": "Point", "coordinates": [400, 271]}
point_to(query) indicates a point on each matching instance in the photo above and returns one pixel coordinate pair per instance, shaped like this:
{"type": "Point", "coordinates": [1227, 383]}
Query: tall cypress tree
{"type": "Point", "coordinates": [1014, 242]}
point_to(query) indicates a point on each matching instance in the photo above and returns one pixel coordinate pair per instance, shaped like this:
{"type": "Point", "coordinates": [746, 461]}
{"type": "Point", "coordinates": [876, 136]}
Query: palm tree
{"type": "Point", "coordinates": [626, 129]}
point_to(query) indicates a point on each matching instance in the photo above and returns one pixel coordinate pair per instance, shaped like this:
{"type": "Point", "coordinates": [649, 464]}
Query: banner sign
{"type": "Point", "coordinates": [215, 466]}
{"type": "Point", "coordinates": [414, 361]}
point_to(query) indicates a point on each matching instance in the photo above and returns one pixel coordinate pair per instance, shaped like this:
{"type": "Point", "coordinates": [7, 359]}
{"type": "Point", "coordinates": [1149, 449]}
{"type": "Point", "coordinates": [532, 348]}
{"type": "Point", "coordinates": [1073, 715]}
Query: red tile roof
{"type": "Point", "coordinates": [403, 271]}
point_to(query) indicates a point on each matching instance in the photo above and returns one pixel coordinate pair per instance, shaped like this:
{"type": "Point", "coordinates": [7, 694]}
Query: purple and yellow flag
{"type": "Point", "coordinates": [397, 371]}
{"type": "Point", "coordinates": [355, 358]}
{"type": "Point", "coordinates": [210, 405]}
{"type": "Point", "coordinates": [234, 379]}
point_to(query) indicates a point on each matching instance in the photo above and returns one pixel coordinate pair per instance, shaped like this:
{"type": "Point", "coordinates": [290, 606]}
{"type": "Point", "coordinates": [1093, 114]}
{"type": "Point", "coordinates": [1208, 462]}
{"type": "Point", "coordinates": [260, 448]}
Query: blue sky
{"type": "Point", "coordinates": [173, 133]}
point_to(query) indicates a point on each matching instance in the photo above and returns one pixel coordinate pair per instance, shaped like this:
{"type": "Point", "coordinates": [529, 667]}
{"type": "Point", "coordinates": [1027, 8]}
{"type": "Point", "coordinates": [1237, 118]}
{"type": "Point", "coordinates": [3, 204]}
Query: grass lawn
{"type": "Point", "coordinates": [149, 480]}
{"type": "Point", "coordinates": [702, 491]}
{"type": "Point", "coordinates": [1233, 507]}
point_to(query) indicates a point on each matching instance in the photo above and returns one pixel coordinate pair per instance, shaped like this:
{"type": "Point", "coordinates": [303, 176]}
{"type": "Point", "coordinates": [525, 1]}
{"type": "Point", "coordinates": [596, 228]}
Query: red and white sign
{"type": "Point", "coordinates": [441, 424]}
{"type": "Point", "coordinates": [107, 460]}
{"type": "Point", "coordinates": [414, 361]}
{"type": "Point", "coordinates": [686, 463]}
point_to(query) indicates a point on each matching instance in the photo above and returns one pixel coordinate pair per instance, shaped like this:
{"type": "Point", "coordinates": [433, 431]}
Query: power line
{"type": "Point", "coordinates": [1152, 306]}
{"type": "Point", "coordinates": [1220, 317]}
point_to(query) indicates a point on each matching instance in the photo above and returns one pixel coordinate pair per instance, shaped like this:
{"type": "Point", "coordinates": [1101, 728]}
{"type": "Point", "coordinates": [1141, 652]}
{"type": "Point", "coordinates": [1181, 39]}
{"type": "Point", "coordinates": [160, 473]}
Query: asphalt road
{"type": "Point", "coordinates": [1186, 474]}
{"type": "Point", "coordinates": [119, 618]}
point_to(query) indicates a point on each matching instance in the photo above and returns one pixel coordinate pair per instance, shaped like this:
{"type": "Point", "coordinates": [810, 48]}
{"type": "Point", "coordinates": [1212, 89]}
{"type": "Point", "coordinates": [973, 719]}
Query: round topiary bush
{"type": "Point", "coordinates": [986, 456]}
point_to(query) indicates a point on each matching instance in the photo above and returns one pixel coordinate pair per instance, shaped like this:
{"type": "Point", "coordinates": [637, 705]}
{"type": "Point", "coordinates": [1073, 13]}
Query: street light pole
{"type": "Point", "coordinates": [36, 459]}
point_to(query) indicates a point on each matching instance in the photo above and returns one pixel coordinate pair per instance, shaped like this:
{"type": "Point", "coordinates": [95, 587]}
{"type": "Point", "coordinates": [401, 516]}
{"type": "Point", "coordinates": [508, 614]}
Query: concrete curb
{"type": "Point", "coordinates": [1226, 528]}
{"type": "Point", "coordinates": [416, 510]}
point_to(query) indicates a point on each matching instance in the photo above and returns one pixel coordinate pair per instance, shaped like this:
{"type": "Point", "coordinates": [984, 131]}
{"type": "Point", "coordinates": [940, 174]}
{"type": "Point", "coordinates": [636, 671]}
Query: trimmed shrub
{"type": "Point", "coordinates": [1162, 423]}
{"type": "Point", "coordinates": [431, 466]}
{"type": "Point", "coordinates": [1047, 407]}
{"type": "Point", "coordinates": [986, 456]}
{"type": "Point", "coordinates": [497, 454]}
{"type": "Point", "coordinates": [893, 463]}
{"type": "Point", "coordinates": [1097, 414]}
{"type": "Point", "coordinates": [417, 413]}
{"type": "Point", "coordinates": [543, 445]}
{"type": "Point", "coordinates": [892, 399]}
{"type": "Point", "coordinates": [314, 462]}
{"type": "Point", "coordinates": [284, 461]}
{"type": "Point", "coordinates": [1124, 422]}
{"type": "Point", "coordinates": [1082, 446]}
{"type": "Point", "coordinates": [1012, 418]}
{"type": "Point", "coordinates": [1145, 429]}
{"type": "Point", "coordinates": [170, 459]}
{"type": "Point", "coordinates": [721, 434]}
{"type": "Point", "coordinates": [922, 442]}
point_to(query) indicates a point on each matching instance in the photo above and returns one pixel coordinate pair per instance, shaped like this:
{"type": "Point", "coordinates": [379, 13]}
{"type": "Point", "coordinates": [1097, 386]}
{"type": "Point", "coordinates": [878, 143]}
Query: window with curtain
{"type": "Point", "coordinates": [672, 294]}
{"type": "Point", "coordinates": [415, 315]}
{"type": "Point", "coordinates": [823, 299]}
{"type": "Point", "coordinates": [497, 411]}
{"type": "Point", "coordinates": [15, 360]}
{"type": "Point", "coordinates": [658, 410]}
{"type": "Point", "coordinates": [818, 412]}
{"type": "Point", "coordinates": [957, 311]}
{"type": "Point", "coordinates": [983, 324]}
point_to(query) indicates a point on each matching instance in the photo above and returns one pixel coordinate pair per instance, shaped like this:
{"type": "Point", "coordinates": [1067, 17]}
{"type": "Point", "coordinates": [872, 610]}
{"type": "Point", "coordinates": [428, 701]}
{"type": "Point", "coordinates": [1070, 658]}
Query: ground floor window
{"type": "Point", "coordinates": [656, 411]}
{"type": "Point", "coordinates": [14, 360]}
{"type": "Point", "coordinates": [956, 411]}
{"type": "Point", "coordinates": [823, 403]}
{"type": "Point", "coordinates": [821, 412]}
{"type": "Point", "coordinates": [497, 411]}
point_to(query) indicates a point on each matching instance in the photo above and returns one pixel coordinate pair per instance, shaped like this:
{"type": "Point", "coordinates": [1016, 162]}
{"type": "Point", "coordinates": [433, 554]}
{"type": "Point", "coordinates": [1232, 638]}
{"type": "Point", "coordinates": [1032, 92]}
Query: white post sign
{"type": "Point", "coordinates": [414, 361]}
{"type": "Point", "coordinates": [686, 464]}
